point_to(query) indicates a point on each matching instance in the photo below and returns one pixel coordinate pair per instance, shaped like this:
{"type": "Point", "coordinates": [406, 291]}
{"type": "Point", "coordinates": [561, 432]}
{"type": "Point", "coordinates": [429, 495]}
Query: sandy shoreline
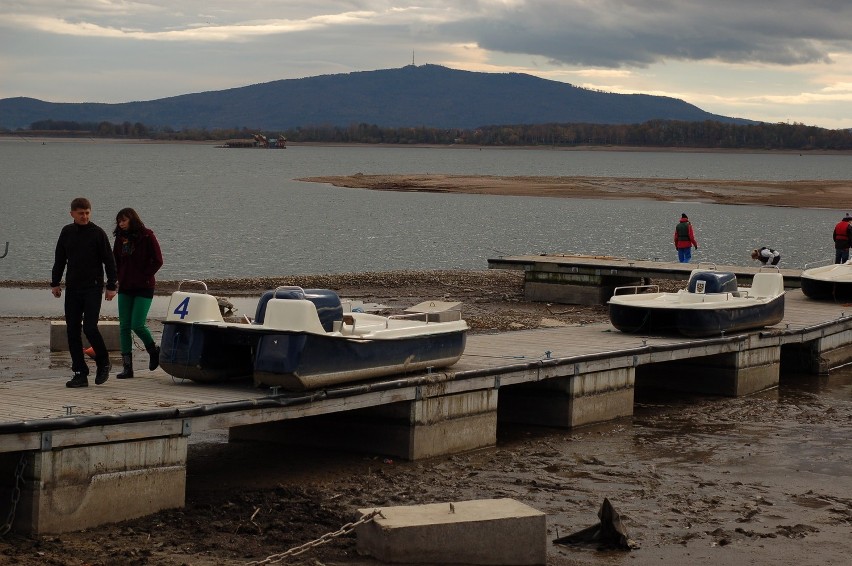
{"type": "Point", "coordinates": [797, 194]}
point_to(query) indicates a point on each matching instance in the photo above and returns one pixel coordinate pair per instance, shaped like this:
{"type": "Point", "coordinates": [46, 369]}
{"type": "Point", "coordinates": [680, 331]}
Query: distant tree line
{"type": "Point", "coordinates": [99, 129]}
{"type": "Point", "coordinates": [654, 133]}
{"type": "Point", "coordinates": [670, 133]}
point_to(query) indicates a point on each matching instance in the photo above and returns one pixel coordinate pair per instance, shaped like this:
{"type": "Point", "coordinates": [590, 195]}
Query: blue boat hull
{"type": "Point", "coordinates": [697, 323]}
{"type": "Point", "coordinates": [206, 353]}
{"type": "Point", "coordinates": [826, 290]}
{"type": "Point", "coordinates": [299, 361]}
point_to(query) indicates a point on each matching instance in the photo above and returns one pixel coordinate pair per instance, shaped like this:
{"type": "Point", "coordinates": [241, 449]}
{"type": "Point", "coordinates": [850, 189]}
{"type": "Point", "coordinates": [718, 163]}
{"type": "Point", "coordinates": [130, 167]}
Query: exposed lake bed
{"type": "Point", "coordinates": [797, 194]}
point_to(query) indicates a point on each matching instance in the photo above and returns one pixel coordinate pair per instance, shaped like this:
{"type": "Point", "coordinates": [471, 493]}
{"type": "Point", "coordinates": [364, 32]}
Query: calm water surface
{"type": "Point", "coordinates": [221, 213]}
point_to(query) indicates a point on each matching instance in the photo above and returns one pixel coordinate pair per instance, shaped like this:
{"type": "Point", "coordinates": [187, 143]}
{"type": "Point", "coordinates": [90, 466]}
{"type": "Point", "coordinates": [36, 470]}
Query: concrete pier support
{"type": "Point", "coordinates": [732, 374]}
{"type": "Point", "coordinates": [434, 425]}
{"type": "Point", "coordinates": [803, 358]}
{"type": "Point", "coordinates": [820, 355]}
{"type": "Point", "coordinates": [78, 487]}
{"type": "Point", "coordinates": [553, 285]}
{"type": "Point", "coordinates": [572, 401]}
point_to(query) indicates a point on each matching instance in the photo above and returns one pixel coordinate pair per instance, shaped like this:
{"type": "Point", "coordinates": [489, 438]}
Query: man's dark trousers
{"type": "Point", "coordinates": [82, 310]}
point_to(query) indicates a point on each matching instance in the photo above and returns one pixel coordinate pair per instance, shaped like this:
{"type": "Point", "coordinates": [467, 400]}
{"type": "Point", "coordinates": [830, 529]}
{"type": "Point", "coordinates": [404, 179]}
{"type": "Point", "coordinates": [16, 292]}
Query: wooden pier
{"type": "Point", "coordinates": [590, 280]}
{"type": "Point", "coordinates": [72, 454]}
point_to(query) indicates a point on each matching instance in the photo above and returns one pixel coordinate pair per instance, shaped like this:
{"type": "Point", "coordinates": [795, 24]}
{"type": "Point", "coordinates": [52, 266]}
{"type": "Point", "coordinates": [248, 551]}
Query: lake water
{"type": "Point", "coordinates": [232, 213]}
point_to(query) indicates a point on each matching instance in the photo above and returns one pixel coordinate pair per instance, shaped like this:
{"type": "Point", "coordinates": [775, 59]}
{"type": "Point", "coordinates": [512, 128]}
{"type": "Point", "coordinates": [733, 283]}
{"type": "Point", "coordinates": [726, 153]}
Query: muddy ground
{"type": "Point", "coordinates": [765, 479]}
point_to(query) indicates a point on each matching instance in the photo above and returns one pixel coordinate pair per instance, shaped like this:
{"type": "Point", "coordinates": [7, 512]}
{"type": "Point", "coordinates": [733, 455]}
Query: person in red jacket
{"type": "Point", "coordinates": [684, 239]}
{"type": "Point", "coordinates": [842, 236]}
{"type": "Point", "coordinates": [137, 258]}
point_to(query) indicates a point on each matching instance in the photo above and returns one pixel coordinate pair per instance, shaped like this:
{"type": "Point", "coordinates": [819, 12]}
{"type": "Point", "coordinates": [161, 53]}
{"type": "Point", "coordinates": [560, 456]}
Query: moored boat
{"type": "Point", "coordinates": [296, 353]}
{"type": "Point", "coordinates": [828, 282]}
{"type": "Point", "coordinates": [302, 339]}
{"type": "Point", "coordinates": [198, 344]}
{"type": "Point", "coordinates": [712, 304]}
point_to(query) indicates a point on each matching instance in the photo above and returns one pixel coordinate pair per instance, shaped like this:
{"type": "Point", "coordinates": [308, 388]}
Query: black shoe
{"type": "Point", "coordinates": [154, 353]}
{"type": "Point", "coordinates": [79, 380]}
{"type": "Point", "coordinates": [103, 374]}
{"type": "Point", "coordinates": [127, 364]}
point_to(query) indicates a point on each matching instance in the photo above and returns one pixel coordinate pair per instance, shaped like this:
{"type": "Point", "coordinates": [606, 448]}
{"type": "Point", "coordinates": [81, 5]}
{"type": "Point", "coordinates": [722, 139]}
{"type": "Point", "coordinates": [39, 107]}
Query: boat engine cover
{"type": "Point", "coordinates": [713, 282]}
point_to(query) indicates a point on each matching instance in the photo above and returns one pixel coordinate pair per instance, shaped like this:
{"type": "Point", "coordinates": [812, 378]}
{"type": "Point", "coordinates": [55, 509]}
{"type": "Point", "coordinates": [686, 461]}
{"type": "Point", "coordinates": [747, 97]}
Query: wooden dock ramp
{"type": "Point", "coordinates": [591, 279]}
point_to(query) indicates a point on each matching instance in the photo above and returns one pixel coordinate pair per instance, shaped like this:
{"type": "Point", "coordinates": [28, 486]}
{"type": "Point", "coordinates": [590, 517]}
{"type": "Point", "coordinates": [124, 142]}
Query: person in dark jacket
{"type": "Point", "coordinates": [842, 236]}
{"type": "Point", "coordinates": [684, 239]}
{"type": "Point", "coordinates": [83, 254]}
{"type": "Point", "coordinates": [138, 257]}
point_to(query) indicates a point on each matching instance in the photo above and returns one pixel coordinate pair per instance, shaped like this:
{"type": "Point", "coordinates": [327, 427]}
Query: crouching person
{"type": "Point", "coordinates": [766, 256]}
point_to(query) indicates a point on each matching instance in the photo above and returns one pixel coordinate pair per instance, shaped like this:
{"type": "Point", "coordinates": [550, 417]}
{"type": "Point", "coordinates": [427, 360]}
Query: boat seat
{"type": "Point", "coordinates": [193, 307]}
{"type": "Point", "coordinates": [350, 326]}
{"type": "Point", "coordinates": [766, 285]}
{"type": "Point", "coordinates": [296, 315]}
{"type": "Point", "coordinates": [328, 305]}
{"type": "Point", "coordinates": [281, 293]}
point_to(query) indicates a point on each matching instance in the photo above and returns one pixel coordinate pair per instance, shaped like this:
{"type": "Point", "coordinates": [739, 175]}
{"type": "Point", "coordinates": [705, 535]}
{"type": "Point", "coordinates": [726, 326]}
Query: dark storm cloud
{"type": "Point", "coordinates": [610, 33]}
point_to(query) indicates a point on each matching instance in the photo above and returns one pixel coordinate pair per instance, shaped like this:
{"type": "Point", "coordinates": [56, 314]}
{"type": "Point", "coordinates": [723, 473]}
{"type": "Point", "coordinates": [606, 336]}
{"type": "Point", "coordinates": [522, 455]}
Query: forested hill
{"type": "Point", "coordinates": [412, 96]}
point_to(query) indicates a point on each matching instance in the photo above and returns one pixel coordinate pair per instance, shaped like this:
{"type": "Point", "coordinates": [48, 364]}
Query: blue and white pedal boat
{"type": "Point", "coordinates": [711, 305]}
{"type": "Point", "coordinates": [302, 339]}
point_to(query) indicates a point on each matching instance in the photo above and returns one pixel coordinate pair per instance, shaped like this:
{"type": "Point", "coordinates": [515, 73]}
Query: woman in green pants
{"type": "Point", "coordinates": [137, 257]}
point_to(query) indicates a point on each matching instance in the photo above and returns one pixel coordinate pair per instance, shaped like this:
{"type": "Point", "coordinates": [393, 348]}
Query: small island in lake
{"type": "Point", "coordinates": [797, 194]}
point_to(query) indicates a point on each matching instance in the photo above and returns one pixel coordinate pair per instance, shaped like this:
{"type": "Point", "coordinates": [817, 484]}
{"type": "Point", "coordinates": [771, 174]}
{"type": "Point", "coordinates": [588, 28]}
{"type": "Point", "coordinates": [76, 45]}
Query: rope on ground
{"type": "Point", "coordinates": [344, 530]}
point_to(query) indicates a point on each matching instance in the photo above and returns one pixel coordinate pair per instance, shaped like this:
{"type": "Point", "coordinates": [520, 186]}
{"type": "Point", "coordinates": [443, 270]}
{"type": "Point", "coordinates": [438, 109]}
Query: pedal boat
{"type": "Point", "coordinates": [828, 282]}
{"type": "Point", "coordinates": [711, 305]}
{"type": "Point", "coordinates": [302, 339]}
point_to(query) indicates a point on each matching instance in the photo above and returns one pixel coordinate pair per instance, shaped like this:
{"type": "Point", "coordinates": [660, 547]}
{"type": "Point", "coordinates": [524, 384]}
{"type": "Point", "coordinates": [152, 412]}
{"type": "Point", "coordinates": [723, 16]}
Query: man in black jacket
{"type": "Point", "coordinates": [84, 248]}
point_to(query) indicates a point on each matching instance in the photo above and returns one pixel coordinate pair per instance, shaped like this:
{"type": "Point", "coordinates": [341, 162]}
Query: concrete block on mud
{"type": "Point", "coordinates": [59, 335]}
{"type": "Point", "coordinates": [485, 531]}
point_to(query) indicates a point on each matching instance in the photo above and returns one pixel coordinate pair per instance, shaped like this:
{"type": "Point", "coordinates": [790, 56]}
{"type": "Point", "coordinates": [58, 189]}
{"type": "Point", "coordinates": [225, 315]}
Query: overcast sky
{"type": "Point", "coordinates": [770, 60]}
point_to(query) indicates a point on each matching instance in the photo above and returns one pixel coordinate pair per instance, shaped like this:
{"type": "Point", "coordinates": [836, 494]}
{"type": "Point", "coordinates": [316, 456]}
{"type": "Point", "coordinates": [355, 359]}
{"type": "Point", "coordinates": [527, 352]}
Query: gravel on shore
{"type": "Point", "coordinates": [491, 299]}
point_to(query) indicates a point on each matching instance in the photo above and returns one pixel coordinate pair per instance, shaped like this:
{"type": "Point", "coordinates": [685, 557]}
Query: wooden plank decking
{"type": "Point", "coordinates": [627, 268]}
{"type": "Point", "coordinates": [155, 397]}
